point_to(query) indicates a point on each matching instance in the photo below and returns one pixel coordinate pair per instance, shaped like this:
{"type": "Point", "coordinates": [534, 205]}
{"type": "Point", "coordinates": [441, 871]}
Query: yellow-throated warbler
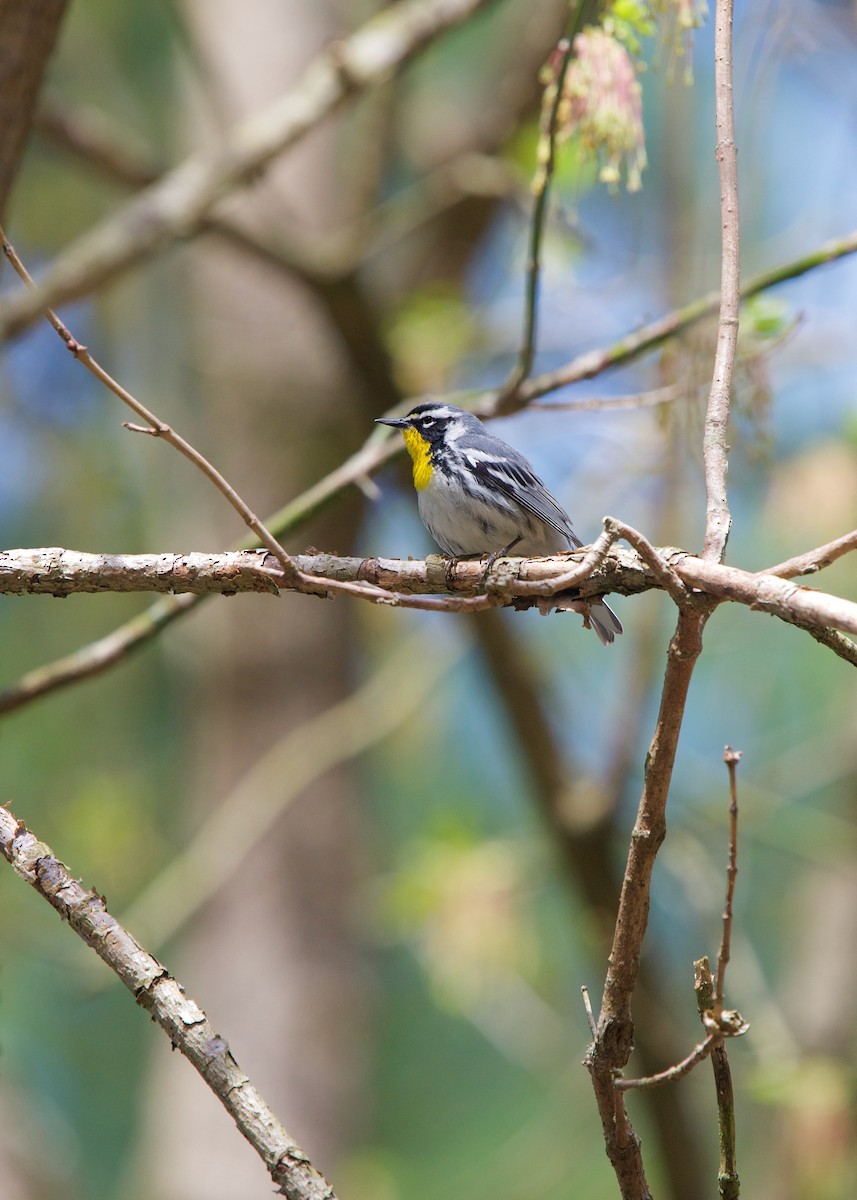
{"type": "Point", "coordinates": [477, 495]}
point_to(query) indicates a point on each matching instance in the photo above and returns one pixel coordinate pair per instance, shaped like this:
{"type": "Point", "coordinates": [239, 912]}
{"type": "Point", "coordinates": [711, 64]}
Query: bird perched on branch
{"type": "Point", "coordinates": [477, 495]}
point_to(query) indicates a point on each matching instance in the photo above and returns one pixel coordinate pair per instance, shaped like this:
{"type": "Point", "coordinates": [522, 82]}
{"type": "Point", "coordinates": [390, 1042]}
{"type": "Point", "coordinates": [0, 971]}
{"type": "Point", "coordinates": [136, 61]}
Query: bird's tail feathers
{"type": "Point", "coordinates": [597, 614]}
{"type": "Point", "coordinates": [605, 622]}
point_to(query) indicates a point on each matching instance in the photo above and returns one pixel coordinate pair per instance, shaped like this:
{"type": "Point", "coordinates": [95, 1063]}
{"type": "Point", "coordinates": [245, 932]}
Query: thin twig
{"type": "Point", "coordinates": [552, 100]}
{"type": "Point", "coordinates": [587, 1004]}
{"type": "Point", "coordinates": [155, 990]}
{"type": "Point", "coordinates": [731, 758]}
{"type": "Point", "coordinates": [714, 448]}
{"type": "Point", "coordinates": [377, 595]}
{"type": "Point", "coordinates": [727, 1177]}
{"type": "Point", "coordinates": [663, 572]}
{"type": "Point", "coordinates": [697, 1055]}
{"type": "Point", "coordinates": [648, 337]}
{"type": "Point", "coordinates": [155, 426]}
{"type": "Point", "coordinates": [667, 394]}
{"type": "Point", "coordinates": [815, 560]}
{"type": "Point", "coordinates": [592, 559]}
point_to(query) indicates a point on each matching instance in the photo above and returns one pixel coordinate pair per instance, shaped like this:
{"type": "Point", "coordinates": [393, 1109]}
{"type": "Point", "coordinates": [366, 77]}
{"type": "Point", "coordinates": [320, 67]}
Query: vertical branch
{"type": "Point", "coordinates": [586, 850]}
{"type": "Point", "coordinates": [709, 999]}
{"type": "Point", "coordinates": [614, 1039]}
{"type": "Point", "coordinates": [612, 1046]}
{"type": "Point", "coordinates": [728, 1183]}
{"type": "Point", "coordinates": [731, 758]}
{"type": "Point", "coordinates": [714, 448]}
{"type": "Point", "coordinates": [557, 68]}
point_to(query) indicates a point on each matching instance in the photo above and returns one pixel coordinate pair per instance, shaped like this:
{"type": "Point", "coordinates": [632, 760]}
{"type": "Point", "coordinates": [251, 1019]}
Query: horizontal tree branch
{"type": "Point", "coordinates": [58, 572]}
{"type": "Point", "coordinates": [155, 990]}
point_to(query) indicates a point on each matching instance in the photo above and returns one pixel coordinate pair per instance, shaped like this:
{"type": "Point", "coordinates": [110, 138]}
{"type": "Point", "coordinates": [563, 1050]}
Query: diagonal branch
{"type": "Point", "coordinates": [154, 989]}
{"type": "Point", "coordinates": [655, 333]}
{"type": "Point", "coordinates": [154, 425]}
{"type": "Point", "coordinates": [815, 560]}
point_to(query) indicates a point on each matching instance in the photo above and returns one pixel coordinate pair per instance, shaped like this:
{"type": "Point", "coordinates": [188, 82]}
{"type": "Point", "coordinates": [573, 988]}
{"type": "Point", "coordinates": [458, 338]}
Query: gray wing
{"type": "Point", "coordinates": [510, 473]}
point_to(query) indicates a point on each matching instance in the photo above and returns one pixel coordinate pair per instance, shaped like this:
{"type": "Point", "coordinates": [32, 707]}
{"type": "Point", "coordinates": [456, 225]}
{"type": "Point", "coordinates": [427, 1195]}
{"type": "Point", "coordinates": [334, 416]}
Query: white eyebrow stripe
{"type": "Point", "coordinates": [441, 411]}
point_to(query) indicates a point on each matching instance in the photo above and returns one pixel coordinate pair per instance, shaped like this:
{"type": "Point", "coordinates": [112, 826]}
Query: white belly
{"type": "Point", "coordinates": [462, 524]}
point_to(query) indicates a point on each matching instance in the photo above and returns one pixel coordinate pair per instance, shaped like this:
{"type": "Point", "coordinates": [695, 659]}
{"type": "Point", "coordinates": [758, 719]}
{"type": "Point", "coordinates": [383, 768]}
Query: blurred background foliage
{"type": "Point", "coordinates": [431, 1044]}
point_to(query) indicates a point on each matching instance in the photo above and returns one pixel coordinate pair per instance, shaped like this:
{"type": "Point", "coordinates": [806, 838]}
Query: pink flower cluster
{"type": "Point", "coordinates": [601, 106]}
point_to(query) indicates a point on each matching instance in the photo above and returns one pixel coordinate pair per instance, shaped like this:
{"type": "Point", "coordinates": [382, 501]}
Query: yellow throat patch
{"type": "Point", "coordinates": [420, 452]}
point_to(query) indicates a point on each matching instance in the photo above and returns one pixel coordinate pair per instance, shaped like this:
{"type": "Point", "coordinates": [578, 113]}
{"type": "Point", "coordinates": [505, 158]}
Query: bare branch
{"type": "Point", "coordinates": [648, 337]}
{"type": "Point", "coordinates": [731, 758]}
{"type": "Point", "coordinates": [155, 426]}
{"type": "Point", "coordinates": [727, 1177]}
{"type": "Point", "coordinates": [457, 585]}
{"type": "Point", "coordinates": [714, 449]}
{"type": "Point", "coordinates": [551, 101]}
{"type": "Point", "coordinates": [767, 593]}
{"type": "Point", "coordinates": [697, 1055]}
{"type": "Point", "coordinates": [815, 560]}
{"type": "Point", "coordinates": [611, 1048]}
{"type": "Point", "coordinates": [154, 989]}
{"type": "Point", "coordinates": [631, 400]}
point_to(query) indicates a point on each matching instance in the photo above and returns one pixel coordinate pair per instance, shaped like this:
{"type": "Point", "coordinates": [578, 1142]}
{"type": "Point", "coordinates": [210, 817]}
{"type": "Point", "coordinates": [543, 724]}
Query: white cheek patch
{"type": "Point", "coordinates": [441, 410]}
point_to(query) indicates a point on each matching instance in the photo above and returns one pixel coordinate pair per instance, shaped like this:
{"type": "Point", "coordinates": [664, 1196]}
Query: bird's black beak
{"type": "Point", "coordinates": [396, 422]}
